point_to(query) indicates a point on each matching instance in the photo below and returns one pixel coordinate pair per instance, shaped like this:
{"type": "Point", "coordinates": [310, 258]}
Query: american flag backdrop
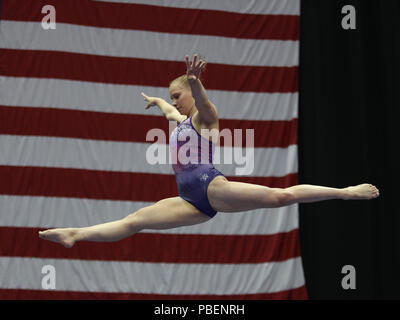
{"type": "Point", "coordinates": [73, 146]}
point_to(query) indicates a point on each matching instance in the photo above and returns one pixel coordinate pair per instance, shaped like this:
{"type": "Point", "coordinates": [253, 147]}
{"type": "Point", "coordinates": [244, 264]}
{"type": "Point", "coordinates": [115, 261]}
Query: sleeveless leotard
{"type": "Point", "coordinates": [192, 157]}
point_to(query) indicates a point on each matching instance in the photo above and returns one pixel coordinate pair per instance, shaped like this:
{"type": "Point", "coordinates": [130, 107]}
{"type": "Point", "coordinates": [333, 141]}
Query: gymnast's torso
{"type": "Point", "coordinates": [192, 162]}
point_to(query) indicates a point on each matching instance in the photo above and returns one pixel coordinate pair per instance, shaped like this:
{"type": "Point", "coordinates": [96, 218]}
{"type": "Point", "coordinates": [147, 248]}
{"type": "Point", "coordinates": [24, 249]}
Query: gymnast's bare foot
{"type": "Point", "coordinates": [63, 236]}
{"type": "Point", "coordinates": [364, 191]}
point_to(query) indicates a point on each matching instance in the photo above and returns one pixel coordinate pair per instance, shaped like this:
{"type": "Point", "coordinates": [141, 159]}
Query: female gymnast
{"type": "Point", "coordinates": [203, 190]}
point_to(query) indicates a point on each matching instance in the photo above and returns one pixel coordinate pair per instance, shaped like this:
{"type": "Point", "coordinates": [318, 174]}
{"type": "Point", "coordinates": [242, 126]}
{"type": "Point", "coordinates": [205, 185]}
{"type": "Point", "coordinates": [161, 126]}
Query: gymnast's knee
{"type": "Point", "coordinates": [136, 220]}
{"type": "Point", "coordinates": [284, 197]}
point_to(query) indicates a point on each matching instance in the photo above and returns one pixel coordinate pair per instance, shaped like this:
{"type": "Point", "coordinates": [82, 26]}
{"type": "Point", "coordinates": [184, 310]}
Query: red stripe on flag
{"type": "Point", "coordinates": [158, 248]}
{"type": "Point", "coordinates": [128, 127]}
{"type": "Point", "coordinates": [159, 19]}
{"type": "Point", "coordinates": [135, 71]}
{"type": "Point", "coordinates": [89, 184]}
{"type": "Point", "coordinates": [105, 185]}
{"type": "Point", "coordinates": [20, 294]}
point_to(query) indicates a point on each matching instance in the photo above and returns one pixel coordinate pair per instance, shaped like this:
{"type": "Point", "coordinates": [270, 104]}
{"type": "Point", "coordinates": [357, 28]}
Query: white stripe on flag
{"type": "Point", "coordinates": [287, 7]}
{"type": "Point", "coordinates": [50, 212]}
{"type": "Point", "coordinates": [148, 45]}
{"type": "Point", "coordinates": [101, 155]}
{"type": "Point", "coordinates": [154, 278]}
{"type": "Point", "coordinates": [101, 97]}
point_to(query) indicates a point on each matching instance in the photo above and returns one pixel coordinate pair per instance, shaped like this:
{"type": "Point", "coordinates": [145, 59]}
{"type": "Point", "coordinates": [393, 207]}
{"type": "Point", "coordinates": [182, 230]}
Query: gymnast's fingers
{"type": "Point", "coordinates": [202, 65]}
{"type": "Point", "coordinates": [187, 62]}
{"type": "Point", "coordinates": [194, 60]}
{"type": "Point", "coordinates": [145, 97]}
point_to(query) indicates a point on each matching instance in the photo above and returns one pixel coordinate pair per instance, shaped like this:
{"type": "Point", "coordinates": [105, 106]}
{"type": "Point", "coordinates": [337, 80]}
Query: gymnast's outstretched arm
{"type": "Point", "coordinates": [208, 113]}
{"type": "Point", "coordinates": [168, 110]}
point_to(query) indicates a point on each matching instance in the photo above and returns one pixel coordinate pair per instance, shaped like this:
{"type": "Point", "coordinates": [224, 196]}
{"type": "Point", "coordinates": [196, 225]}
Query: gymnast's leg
{"type": "Point", "coordinates": [230, 196]}
{"type": "Point", "coordinates": [165, 214]}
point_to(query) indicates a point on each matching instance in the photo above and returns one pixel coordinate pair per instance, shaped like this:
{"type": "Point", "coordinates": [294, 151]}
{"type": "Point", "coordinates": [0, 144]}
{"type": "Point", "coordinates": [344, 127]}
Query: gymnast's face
{"type": "Point", "coordinates": [182, 99]}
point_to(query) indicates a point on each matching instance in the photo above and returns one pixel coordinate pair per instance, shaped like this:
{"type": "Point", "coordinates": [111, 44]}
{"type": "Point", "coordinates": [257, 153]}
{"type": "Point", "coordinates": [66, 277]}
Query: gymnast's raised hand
{"type": "Point", "coordinates": [194, 69]}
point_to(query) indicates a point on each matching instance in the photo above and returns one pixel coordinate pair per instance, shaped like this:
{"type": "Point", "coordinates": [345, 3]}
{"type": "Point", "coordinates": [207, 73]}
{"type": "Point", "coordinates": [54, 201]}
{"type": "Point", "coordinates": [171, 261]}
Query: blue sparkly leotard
{"type": "Point", "coordinates": [192, 157]}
